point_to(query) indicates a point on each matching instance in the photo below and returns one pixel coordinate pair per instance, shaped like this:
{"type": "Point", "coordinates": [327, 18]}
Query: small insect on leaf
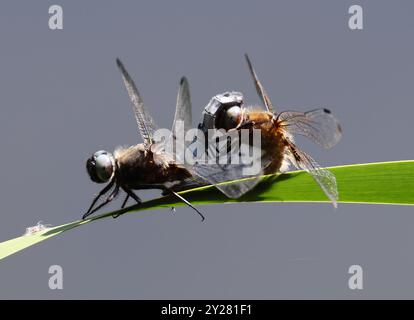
{"type": "Point", "coordinates": [36, 229]}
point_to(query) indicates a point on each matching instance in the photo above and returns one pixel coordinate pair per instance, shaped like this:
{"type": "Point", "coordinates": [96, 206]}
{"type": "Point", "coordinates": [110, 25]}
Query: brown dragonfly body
{"type": "Point", "coordinates": [272, 137]}
{"type": "Point", "coordinates": [152, 164]}
{"type": "Point", "coordinates": [145, 165]}
{"type": "Point", "coordinates": [138, 168]}
{"type": "Point", "coordinates": [149, 166]}
{"type": "Point", "coordinates": [277, 132]}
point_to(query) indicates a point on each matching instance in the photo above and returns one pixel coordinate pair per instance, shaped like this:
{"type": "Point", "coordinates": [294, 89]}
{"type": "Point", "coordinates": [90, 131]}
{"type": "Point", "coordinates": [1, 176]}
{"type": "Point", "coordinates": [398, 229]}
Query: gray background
{"type": "Point", "coordinates": [61, 98]}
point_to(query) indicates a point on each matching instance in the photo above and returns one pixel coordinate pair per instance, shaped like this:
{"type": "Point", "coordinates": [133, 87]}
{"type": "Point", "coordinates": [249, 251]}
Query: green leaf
{"type": "Point", "coordinates": [376, 183]}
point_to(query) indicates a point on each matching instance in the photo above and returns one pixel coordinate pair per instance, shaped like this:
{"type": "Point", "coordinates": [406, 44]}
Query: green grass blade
{"type": "Point", "coordinates": [376, 183]}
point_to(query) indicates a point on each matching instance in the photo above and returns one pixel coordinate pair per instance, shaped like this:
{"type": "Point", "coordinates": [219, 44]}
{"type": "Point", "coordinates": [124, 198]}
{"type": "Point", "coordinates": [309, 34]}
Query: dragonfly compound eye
{"type": "Point", "coordinates": [232, 117]}
{"type": "Point", "coordinates": [100, 166]}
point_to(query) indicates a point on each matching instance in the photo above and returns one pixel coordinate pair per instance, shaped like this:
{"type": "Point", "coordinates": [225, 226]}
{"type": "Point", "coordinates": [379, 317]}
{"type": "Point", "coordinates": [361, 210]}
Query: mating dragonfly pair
{"type": "Point", "coordinates": [151, 165]}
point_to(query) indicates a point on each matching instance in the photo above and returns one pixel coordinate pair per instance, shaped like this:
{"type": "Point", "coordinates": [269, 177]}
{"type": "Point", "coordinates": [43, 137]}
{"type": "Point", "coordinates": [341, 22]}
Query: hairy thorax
{"type": "Point", "coordinates": [138, 168]}
{"type": "Point", "coordinates": [273, 140]}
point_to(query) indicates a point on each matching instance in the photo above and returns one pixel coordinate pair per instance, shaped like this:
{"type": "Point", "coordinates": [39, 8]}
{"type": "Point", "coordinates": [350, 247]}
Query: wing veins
{"type": "Point", "coordinates": [144, 120]}
{"type": "Point", "coordinates": [261, 91]}
{"type": "Point", "coordinates": [322, 176]}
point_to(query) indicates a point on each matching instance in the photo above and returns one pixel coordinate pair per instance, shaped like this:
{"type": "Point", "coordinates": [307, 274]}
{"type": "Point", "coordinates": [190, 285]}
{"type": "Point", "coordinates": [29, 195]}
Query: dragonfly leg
{"type": "Point", "coordinates": [100, 194]}
{"type": "Point", "coordinates": [125, 201]}
{"type": "Point", "coordinates": [131, 194]}
{"type": "Point", "coordinates": [111, 197]}
{"type": "Point", "coordinates": [187, 203]}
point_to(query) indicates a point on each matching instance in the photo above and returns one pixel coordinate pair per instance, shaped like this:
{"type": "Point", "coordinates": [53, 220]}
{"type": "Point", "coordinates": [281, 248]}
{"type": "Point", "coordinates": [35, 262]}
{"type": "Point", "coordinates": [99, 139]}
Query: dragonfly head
{"type": "Point", "coordinates": [101, 166]}
{"type": "Point", "coordinates": [232, 117]}
{"type": "Point", "coordinates": [224, 111]}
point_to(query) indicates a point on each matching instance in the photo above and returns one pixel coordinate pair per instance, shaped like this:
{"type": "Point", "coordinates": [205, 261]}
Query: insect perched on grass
{"type": "Point", "coordinates": [227, 112]}
{"type": "Point", "coordinates": [150, 165]}
{"type": "Point", "coordinates": [140, 166]}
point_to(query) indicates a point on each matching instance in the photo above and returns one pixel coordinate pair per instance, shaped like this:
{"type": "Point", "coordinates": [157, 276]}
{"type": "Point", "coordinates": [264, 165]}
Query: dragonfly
{"type": "Point", "coordinates": [151, 165]}
{"type": "Point", "coordinates": [278, 129]}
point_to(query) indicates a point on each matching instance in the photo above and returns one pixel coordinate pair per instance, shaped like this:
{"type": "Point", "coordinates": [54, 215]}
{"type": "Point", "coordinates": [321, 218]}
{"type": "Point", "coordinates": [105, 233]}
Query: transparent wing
{"type": "Point", "coordinates": [183, 106]}
{"type": "Point", "coordinates": [215, 174]}
{"type": "Point", "coordinates": [174, 145]}
{"type": "Point", "coordinates": [145, 122]}
{"type": "Point", "coordinates": [223, 169]}
{"type": "Point", "coordinates": [323, 177]}
{"type": "Point", "coordinates": [182, 118]}
{"type": "Point", "coordinates": [259, 87]}
{"type": "Point", "coordinates": [318, 125]}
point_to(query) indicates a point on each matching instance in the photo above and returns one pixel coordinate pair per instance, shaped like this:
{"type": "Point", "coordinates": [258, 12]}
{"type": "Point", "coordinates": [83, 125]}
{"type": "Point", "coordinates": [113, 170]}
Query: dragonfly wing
{"type": "Point", "coordinates": [222, 168]}
{"type": "Point", "coordinates": [261, 91]}
{"type": "Point", "coordinates": [215, 174]}
{"type": "Point", "coordinates": [318, 125]}
{"type": "Point", "coordinates": [176, 142]}
{"type": "Point", "coordinates": [322, 176]}
{"type": "Point", "coordinates": [183, 106]}
{"type": "Point", "coordinates": [144, 120]}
